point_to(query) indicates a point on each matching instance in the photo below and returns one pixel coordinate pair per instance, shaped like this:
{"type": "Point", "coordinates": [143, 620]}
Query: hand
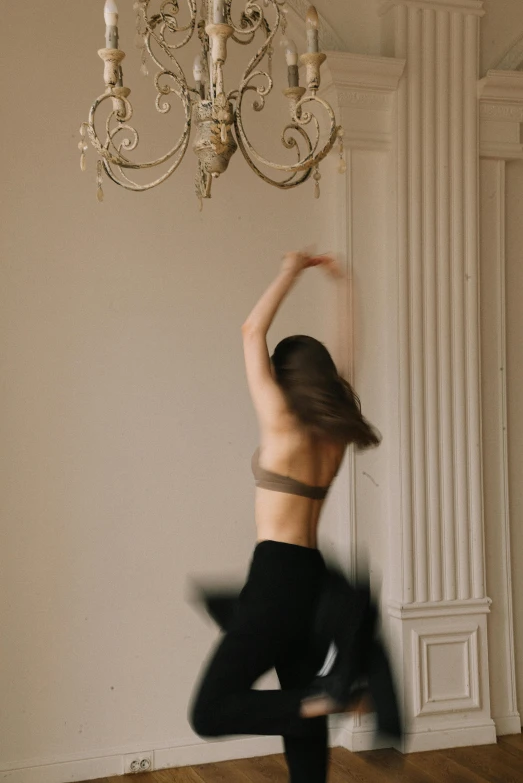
{"type": "Point", "coordinates": [331, 266]}
{"type": "Point", "coordinates": [296, 262]}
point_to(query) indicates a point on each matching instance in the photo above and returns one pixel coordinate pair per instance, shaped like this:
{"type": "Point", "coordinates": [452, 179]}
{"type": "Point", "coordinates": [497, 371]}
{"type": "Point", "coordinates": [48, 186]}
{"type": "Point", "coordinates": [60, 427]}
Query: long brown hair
{"type": "Point", "coordinates": [316, 393]}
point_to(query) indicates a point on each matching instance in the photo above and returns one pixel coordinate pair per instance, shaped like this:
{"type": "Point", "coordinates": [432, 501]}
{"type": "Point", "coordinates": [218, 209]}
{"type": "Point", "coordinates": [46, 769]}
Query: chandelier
{"type": "Point", "coordinates": [216, 113]}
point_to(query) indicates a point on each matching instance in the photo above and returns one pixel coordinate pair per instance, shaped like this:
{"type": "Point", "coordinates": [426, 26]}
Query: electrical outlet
{"type": "Point", "coordinates": [138, 762]}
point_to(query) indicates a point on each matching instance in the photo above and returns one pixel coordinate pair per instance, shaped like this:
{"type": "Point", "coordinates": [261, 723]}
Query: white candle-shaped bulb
{"type": "Point", "coordinates": [312, 25]}
{"type": "Point", "coordinates": [291, 56]}
{"type": "Point", "coordinates": [218, 11]}
{"type": "Point", "coordinates": [291, 53]}
{"type": "Point", "coordinates": [111, 24]}
{"type": "Point", "coordinates": [111, 13]}
{"type": "Point", "coordinates": [197, 70]}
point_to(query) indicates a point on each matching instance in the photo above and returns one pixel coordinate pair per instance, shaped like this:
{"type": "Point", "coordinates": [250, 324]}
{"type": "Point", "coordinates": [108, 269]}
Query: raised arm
{"type": "Point", "coordinates": [267, 397]}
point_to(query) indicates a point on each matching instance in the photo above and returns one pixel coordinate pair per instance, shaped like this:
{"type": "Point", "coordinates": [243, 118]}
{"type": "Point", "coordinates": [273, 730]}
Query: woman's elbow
{"type": "Point", "coordinates": [250, 328]}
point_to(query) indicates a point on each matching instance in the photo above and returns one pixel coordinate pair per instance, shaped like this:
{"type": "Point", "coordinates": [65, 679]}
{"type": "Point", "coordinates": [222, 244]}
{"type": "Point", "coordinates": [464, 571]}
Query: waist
{"type": "Point", "coordinates": [285, 561]}
{"type": "Point", "coordinates": [287, 518]}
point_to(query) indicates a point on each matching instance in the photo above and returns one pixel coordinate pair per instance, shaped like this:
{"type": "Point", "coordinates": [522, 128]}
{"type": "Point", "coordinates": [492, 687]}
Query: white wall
{"type": "Point", "coordinates": [126, 425]}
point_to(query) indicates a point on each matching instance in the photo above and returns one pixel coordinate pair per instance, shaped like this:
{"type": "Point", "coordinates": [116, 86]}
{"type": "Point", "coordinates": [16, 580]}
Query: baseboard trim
{"type": "Point", "coordinates": [508, 724]}
{"type": "Point", "coordinates": [67, 771]}
{"type": "Point", "coordinates": [196, 752]}
{"type": "Point", "coordinates": [200, 752]}
{"type": "Point", "coordinates": [216, 750]}
{"type": "Point", "coordinates": [361, 739]}
{"type": "Point", "coordinates": [356, 739]}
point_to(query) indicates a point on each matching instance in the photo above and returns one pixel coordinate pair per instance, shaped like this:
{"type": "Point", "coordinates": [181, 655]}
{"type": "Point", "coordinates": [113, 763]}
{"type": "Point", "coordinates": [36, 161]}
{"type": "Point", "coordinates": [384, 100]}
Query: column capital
{"type": "Point", "coordinates": [363, 88]}
{"type": "Point", "coordinates": [474, 7]}
{"type": "Point", "coordinates": [501, 114]}
{"type": "Point", "coordinates": [365, 72]}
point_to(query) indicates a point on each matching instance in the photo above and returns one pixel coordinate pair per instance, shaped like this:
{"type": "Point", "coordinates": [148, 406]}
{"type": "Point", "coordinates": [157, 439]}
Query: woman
{"type": "Point", "coordinates": [307, 416]}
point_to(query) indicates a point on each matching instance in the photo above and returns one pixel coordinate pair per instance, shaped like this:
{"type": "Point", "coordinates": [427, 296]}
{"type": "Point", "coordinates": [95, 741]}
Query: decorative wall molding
{"type": "Point", "coordinates": [446, 694]}
{"type": "Point", "coordinates": [363, 88]}
{"type": "Point", "coordinates": [501, 85]}
{"type": "Point", "coordinates": [362, 71]}
{"type": "Point", "coordinates": [501, 112]}
{"type": "Point", "coordinates": [364, 100]}
{"type": "Point", "coordinates": [432, 694]}
{"type": "Point", "coordinates": [417, 611]}
{"type": "Point", "coordinates": [494, 403]}
{"type": "Point", "coordinates": [463, 6]}
{"type": "Point", "coordinates": [501, 115]}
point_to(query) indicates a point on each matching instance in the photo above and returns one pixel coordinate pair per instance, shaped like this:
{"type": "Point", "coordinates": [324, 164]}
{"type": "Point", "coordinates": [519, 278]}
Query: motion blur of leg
{"type": "Point", "coordinates": [347, 615]}
{"type": "Point", "coordinates": [307, 757]}
{"type": "Point", "coordinates": [270, 626]}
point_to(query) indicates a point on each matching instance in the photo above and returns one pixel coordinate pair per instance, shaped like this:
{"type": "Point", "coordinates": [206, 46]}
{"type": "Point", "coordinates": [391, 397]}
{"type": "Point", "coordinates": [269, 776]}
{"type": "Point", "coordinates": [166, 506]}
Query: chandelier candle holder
{"type": "Point", "coordinates": [216, 114]}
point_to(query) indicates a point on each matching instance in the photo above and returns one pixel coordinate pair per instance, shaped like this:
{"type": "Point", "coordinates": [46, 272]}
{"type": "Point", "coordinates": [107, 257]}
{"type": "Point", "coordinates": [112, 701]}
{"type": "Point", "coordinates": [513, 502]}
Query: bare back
{"type": "Point", "coordinates": [287, 447]}
{"type": "Point", "coordinates": [291, 450]}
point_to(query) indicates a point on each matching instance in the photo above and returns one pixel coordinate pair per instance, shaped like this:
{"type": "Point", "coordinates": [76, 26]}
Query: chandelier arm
{"type": "Point", "coordinates": [167, 90]}
{"type": "Point", "coordinates": [244, 42]}
{"type": "Point", "coordinates": [313, 157]}
{"type": "Point", "coordinates": [156, 61]}
{"type": "Point", "coordinates": [250, 21]}
{"type": "Point", "coordinates": [262, 51]}
{"type": "Point", "coordinates": [116, 157]}
{"type": "Point", "coordinates": [135, 186]}
{"type": "Point", "coordinates": [163, 21]}
{"type": "Point", "coordinates": [285, 184]}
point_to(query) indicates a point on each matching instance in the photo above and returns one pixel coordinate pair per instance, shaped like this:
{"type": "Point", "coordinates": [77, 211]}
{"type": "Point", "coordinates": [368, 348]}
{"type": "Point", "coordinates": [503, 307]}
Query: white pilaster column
{"type": "Point", "coordinates": [438, 604]}
{"type": "Point", "coordinates": [501, 117]}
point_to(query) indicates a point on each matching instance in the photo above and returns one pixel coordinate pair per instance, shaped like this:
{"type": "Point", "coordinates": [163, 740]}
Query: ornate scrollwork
{"type": "Point", "coordinates": [218, 116]}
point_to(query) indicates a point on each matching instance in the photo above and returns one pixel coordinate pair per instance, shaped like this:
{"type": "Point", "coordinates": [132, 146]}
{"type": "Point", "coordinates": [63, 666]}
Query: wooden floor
{"type": "Point", "coordinates": [501, 763]}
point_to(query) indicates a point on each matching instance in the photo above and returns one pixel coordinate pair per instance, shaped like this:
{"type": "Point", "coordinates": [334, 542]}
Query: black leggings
{"type": "Point", "coordinates": [271, 628]}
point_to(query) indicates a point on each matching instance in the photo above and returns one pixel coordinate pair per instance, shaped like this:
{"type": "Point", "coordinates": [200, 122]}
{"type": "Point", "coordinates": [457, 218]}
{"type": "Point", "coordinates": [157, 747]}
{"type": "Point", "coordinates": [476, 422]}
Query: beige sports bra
{"type": "Point", "coordinates": [266, 479]}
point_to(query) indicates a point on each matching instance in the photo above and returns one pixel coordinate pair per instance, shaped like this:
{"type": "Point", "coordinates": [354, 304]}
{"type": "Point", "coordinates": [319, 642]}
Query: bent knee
{"type": "Point", "coordinates": [203, 721]}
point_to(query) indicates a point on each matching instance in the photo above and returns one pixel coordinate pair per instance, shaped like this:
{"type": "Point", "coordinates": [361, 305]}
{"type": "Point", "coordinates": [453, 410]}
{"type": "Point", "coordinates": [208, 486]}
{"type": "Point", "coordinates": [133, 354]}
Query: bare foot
{"type": "Point", "coordinates": [324, 705]}
{"type": "Point", "coordinates": [313, 708]}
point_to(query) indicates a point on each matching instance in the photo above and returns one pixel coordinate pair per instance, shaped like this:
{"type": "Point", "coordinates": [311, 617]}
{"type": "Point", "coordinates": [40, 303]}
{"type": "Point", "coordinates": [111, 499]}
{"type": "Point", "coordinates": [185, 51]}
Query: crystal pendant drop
{"type": "Point", "coordinates": [224, 134]}
{"type": "Point", "coordinates": [200, 204]}
{"type": "Point", "coordinates": [283, 25]}
{"type": "Point", "coordinates": [99, 191]}
{"type": "Point", "coordinates": [316, 177]}
{"type": "Point", "coordinates": [144, 69]}
{"type": "Point", "coordinates": [83, 147]}
{"type": "Point", "coordinates": [342, 168]}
